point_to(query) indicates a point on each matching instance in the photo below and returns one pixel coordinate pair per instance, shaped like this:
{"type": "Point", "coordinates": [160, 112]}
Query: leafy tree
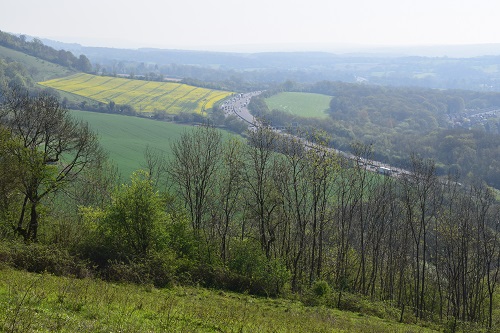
{"type": "Point", "coordinates": [456, 104]}
{"type": "Point", "coordinates": [53, 148]}
{"type": "Point", "coordinates": [83, 64]}
{"type": "Point", "coordinates": [136, 217]}
{"type": "Point", "coordinates": [132, 225]}
{"type": "Point", "coordinates": [111, 106]}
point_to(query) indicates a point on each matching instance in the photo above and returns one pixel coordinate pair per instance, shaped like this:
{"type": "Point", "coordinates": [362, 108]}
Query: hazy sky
{"type": "Point", "coordinates": [222, 24]}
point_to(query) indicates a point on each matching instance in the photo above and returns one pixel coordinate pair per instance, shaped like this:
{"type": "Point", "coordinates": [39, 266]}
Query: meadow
{"type": "Point", "coordinates": [307, 105]}
{"type": "Point", "coordinates": [143, 96]}
{"type": "Point", "coordinates": [126, 138]}
{"type": "Point", "coordinates": [32, 302]}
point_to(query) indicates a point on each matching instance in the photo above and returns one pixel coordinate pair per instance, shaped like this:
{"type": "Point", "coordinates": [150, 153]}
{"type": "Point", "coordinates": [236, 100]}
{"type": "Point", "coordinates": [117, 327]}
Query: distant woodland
{"type": "Point", "coordinates": [398, 122]}
{"type": "Point", "coordinates": [37, 49]}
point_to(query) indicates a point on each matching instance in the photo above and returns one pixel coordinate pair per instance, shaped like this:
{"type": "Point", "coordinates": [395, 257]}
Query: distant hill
{"type": "Point", "coordinates": [471, 67]}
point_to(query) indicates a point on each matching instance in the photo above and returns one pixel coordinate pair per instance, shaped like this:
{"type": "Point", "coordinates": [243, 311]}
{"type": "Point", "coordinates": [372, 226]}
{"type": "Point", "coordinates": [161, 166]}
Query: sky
{"type": "Point", "coordinates": [257, 25]}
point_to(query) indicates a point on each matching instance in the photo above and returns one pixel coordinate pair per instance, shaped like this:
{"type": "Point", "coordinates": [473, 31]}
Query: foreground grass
{"type": "Point", "coordinates": [301, 104]}
{"type": "Point", "coordinates": [42, 303]}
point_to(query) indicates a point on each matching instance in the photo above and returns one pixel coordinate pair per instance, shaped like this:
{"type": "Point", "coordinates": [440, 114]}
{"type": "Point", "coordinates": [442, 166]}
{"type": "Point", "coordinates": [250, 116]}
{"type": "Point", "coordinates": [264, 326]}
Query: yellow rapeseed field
{"type": "Point", "coordinates": [144, 96]}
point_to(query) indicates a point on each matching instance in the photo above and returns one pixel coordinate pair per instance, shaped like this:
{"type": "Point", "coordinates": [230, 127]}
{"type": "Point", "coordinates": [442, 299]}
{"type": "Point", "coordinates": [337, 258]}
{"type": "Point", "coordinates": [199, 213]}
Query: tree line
{"type": "Point", "coordinates": [36, 48]}
{"type": "Point", "coordinates": [268, 216]}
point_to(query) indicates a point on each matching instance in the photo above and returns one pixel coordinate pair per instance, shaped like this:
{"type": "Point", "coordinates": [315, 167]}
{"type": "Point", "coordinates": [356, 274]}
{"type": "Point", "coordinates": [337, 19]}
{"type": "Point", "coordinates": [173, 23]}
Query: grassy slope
{"type": "Point", "coordinates": [126, 138]}
{"type": "Point", "coordinates": [40, 70]}
{"type": "Point", "coordinates": [41, 302]}
{"type": "Point", "coordinates": [301, 104]}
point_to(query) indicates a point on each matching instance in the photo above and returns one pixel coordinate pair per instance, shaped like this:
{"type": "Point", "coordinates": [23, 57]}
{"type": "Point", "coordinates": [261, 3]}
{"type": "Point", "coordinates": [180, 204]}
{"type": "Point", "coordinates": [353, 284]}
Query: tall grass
{"type": "Point", "coordinates": [41, 302]}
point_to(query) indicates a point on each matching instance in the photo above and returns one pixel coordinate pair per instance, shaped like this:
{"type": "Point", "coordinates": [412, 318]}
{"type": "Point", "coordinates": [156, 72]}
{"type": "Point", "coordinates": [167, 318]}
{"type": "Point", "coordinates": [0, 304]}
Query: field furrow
{"type": "Point", "coordinates": [182, 96]}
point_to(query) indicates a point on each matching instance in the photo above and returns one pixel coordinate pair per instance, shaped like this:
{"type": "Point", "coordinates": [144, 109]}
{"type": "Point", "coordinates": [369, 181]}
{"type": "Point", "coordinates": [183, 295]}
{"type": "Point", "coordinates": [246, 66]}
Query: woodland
{"type": "Point", "coordinates": [399, 122]}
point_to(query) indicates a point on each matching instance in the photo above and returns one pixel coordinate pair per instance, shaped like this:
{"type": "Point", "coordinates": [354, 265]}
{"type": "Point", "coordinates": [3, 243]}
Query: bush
{"type": "Point", "coordinates": [157, 268]}
{"type": "Point", "coordinates": [38, 258]}
{"type": "Point", "coordinates": [267, 277]}
{"type": "Point", "coordinates": [133, 225]}
{"type": "Point", "coordinates": [318, 294]}
{"type": "Point", "coordinates": [220, 278]}
{"type": "Point", "coordinates": [358, 303]}
{"type": "Point", "coordinates": [320, 288]}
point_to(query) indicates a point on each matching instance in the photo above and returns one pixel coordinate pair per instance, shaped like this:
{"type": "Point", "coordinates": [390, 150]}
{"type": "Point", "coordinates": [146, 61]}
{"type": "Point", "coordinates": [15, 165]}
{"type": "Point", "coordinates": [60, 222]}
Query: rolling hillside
{"type": "Point", "coordinates": [143, 96]}
{"type": "Point", "coordinates": [39, 69]}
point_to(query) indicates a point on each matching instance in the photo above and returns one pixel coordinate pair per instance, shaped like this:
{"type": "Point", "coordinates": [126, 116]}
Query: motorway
{"type": "Point", "coordinates": [238, 105]}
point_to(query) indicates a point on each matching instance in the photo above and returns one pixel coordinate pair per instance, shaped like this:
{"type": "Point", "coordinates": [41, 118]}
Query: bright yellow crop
{"type": "Point", "coordinates": [144, 96]}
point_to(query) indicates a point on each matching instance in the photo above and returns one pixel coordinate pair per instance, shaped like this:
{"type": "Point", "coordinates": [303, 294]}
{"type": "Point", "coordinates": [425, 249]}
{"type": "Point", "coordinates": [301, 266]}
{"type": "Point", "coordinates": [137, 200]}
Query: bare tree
{"type": "Point", "coordinates": [9, 179]}
{"type": "Point", "coordinates": [295, 190]}
{"type": "Point", "coordinates": [155, 165]}
{"type": "Point", "coordinates": [261, 194]}
{"type": "Point", "coordinates": [321, 169]}
{"type": "Point", "coordinates": [196, 159]}
{"type": "Point", "coordinates": [419, 197]}
{"type": "Point", "coordinates": [228, 197]}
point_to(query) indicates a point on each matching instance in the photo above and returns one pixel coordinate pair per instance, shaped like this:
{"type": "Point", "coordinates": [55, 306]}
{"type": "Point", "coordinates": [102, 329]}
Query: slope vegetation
{"type": "Point", "coordinates": [48, 303]}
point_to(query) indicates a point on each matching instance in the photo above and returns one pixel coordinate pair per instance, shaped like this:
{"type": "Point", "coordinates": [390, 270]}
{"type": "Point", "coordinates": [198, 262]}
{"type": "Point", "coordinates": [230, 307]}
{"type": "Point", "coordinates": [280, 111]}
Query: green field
{"type": "Point", "coordinates": [144, 96]}
{"type": "Point", "coordinates": [40, 70]}
{"type": "Point", "coordinates": [46, 303]}
{"type": "Point", "coordinates": [126, 138]}
{"type": "Point", "coordinates": [301, 104]}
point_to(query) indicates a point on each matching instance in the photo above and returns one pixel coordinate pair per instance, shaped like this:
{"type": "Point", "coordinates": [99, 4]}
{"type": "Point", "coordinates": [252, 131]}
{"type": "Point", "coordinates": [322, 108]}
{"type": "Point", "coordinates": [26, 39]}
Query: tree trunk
{"type": "Point", "coordinates": [32, 233]}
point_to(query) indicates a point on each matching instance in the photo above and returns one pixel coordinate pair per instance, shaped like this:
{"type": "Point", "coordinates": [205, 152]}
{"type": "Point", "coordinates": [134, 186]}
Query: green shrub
{"type": "Point", "coordinates": [157, 268]}
{"type": "Point", "coordinates": [318, 294]}
{"type": "Point", "coordinates": [320, 288]}
{"type": "Point", "coordinates": [133, 225]}
{"type": "Point", "coordinates": [38, 258]}
{"type": "Point", "coordinates": [267, 276]}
